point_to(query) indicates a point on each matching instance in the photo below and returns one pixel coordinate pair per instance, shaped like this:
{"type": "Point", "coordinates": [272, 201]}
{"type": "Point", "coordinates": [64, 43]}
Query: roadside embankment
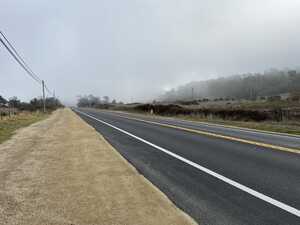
{"type": "Point", "coordinates": [61, 171]}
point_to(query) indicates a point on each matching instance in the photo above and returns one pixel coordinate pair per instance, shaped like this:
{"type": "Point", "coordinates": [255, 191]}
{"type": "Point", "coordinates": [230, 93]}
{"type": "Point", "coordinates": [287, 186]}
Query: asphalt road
{"type": "Point", "coordinates": [215, 180]}
{"type": "Point", "coordinates": [284, 140]}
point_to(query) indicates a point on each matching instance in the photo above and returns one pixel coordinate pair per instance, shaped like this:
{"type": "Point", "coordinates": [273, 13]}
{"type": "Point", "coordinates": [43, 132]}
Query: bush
{"type": "Point", "coordinates": [295, 97]}
{"type": "Point", "coordinates": [274, 98]}
{"type": "Point", "coordinates": [230, 114]}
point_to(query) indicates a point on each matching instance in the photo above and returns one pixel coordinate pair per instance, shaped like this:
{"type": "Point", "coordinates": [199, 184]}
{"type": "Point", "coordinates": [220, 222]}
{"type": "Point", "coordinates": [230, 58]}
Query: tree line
{"type": "Point", "coordinates": [33, 105]}
{"type": "Point", "coordinates": [95, 102]}
{"type": "Point", "coordinates": [250, 86]}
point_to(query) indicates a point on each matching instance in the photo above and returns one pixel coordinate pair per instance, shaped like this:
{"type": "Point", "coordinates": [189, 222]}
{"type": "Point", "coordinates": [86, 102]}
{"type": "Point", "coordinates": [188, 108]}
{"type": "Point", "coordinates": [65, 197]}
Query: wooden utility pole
{"type": "Point", "coordinates": [192, 93]}
{"type": "Point", "coordinates": [54, 98]}
{"type": "Point", "coordinates": [44, 101]}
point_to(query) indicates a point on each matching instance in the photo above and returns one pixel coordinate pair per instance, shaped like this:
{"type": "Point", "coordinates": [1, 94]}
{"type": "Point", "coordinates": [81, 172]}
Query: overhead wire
{"type": "Point", "coordinates": [20, 63]}
{"type": "Point", "coordinates": [18, 55]}
{"type": "Point", "coordinates": [14, 53]}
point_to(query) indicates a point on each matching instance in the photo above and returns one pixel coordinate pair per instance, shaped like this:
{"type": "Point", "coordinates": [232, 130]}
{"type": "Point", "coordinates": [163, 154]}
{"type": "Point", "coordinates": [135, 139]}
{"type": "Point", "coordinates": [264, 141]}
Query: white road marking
{"type": "Point", "coordinates": [242, 187]}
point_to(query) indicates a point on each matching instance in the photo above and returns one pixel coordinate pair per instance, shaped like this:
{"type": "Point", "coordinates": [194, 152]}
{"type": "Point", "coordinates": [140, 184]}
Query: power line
{"type": "Point", "coordinates": [20, 63]}
{"type": "Point", "coordinates": [13, 52]}
{"type": "Point", "coordinates": [48, 90]}
{"type": "Point", "coordinates": [16, 53]}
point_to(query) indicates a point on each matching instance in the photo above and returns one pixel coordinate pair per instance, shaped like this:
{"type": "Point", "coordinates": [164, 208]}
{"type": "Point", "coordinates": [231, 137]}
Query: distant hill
{"type": "Point", "coordinates": [245, 86]}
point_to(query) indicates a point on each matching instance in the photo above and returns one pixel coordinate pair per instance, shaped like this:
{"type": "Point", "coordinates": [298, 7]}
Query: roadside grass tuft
{"type": "Point", "coordinates": [8, 125]}
{"type": "Point", "coordinates": [289, 127]}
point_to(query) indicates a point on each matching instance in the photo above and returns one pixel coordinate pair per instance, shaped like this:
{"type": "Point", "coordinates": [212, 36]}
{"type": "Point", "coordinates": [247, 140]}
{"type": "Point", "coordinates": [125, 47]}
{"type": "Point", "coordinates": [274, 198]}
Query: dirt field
{"type": "Point", "coordinates": [61, 171]}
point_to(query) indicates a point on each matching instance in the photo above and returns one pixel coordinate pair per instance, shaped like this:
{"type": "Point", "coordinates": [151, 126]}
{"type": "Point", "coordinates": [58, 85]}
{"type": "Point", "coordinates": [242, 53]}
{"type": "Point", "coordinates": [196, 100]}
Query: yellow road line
{"type": "Point", "coordinates": [240, 128]}
{"type": "Point", "coordinates": [209, 124]}
{"type": "Point", "coordinates": [286, 149]}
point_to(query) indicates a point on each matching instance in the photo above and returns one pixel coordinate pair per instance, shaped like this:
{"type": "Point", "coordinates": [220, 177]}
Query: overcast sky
{"type": "Point", "coordinates": [135, 49]}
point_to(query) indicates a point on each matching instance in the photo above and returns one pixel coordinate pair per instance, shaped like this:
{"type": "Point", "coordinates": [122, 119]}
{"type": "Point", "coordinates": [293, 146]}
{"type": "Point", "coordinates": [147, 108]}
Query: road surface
{"type": "Point", "coordinates": [214, 179]}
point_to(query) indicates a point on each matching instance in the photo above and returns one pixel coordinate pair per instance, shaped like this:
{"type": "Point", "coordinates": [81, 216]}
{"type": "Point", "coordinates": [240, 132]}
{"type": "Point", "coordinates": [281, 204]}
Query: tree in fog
{"type": "Point", "coordinates": [14, 102]}
{"type": "Point", "coordinates": [246, 86]}
{"type": "Point", "coordinates": [83, 101]}
{"type": "Point", "coordinates": [94, 101]}
{"type": "Point", "coordinates": [3, 101]}
{"type": "Point", "coordinates": [106, 99]}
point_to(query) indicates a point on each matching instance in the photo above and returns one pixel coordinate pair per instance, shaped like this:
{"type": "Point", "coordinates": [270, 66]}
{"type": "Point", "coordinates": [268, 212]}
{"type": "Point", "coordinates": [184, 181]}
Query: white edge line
{"type": "Point", "coordinates": [242, 187]}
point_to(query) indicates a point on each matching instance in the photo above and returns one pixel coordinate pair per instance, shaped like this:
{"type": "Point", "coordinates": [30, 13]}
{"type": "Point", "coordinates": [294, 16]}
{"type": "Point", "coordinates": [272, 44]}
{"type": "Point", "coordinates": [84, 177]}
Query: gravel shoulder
{"type": "Point", "coordinates": [61, 171]}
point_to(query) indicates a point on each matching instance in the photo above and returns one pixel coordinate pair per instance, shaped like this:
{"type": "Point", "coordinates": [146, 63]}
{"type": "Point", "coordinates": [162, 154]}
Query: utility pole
{"type": "Point", "coordinates": [54, 98]}
{"type": "Point", "coordinates": [192, 93]}
{"type": "Point", "coordinates": [44, 101]}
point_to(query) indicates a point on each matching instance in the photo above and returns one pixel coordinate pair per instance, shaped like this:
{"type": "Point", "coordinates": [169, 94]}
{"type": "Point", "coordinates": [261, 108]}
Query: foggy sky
{"type": "Point", "coordinates": [135, 49]}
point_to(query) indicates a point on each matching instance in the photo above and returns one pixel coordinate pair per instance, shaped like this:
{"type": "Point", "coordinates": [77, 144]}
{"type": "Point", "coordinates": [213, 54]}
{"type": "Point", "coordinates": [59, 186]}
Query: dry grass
{"type": "Point", "coordinates": [289, 127]}
{"type": "Point", "coordinates": [245, 104]}
{"type": "Point", "coordinates": [8, 125]}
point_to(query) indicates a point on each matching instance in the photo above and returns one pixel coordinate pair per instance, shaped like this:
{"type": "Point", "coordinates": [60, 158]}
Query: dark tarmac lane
{"type": "Point", "coordinates": [214, 180]}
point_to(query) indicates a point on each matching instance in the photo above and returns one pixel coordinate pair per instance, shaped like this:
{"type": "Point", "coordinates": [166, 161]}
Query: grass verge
{"type": "Point", "coordinates": [8, 126]}
{"type": "Point", "coordinates": [289, 127]}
